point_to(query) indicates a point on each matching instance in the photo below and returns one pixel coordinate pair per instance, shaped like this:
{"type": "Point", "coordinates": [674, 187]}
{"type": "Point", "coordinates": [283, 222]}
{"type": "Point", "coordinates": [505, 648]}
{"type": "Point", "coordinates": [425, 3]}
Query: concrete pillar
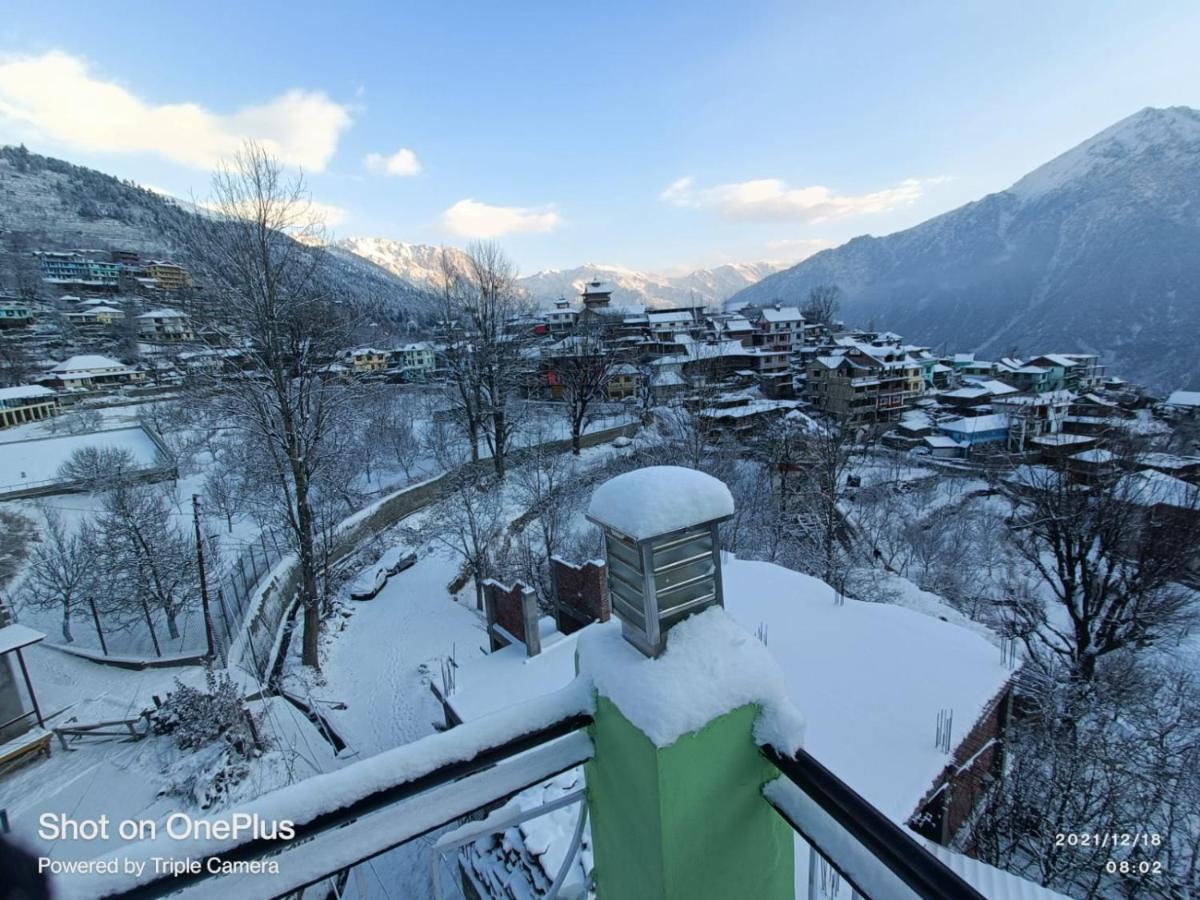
{"type": "Point", "coordinates": [687, 821]}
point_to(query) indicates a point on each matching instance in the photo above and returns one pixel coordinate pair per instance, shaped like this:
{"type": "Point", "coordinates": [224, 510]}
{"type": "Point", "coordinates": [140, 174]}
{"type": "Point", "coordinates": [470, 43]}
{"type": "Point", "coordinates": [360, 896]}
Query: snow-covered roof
{"type": "Point", "coordinates": [1151, 488]}
{"type": "Point", "coordinates": [974, 424]}
{"type": "Point", "coordinates": [782, 314]}
{"type": "Point", "coordinates": [25, 392]}
{"type": "Point", "coordinates": [163, 314]}
{"type": "Point", "coordinates": [885, 661]}
{"type": "Point", "coordinates": [1190, 399]}
{"type": "Point", "coordinates": [941, 442]}
{"type": "Point", "coordinates": [87, 363]}
{"type": "Point", "coordinates": [659, 499]}
{"type": "Point", "coordinates": [664, 317]}
{"type": "Point", "coordinates": [1061, 439]}
{"type": "Point", "coordinates": [1097, 455]}
{"type": "Point", "coordinates": [1057, 359]}
{"type": "Point", "coordinates": [668, 378]}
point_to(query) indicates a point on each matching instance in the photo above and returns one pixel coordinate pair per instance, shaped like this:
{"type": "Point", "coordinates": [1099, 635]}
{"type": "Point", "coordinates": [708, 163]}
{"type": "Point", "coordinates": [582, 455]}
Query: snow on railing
{"type": "Point", "coordinates": [877, 857]}
{"type": "Point", "coordinates": [454, 773]}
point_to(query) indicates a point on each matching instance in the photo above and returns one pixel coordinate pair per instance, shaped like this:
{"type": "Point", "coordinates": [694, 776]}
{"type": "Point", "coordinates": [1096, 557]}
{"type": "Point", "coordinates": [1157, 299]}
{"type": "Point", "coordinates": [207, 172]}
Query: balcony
{"type": "Point", "coordinates": [379, 804]}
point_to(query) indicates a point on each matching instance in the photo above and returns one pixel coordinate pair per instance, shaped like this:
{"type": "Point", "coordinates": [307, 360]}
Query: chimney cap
{"type": "Point", "coordinates": [658, 500]}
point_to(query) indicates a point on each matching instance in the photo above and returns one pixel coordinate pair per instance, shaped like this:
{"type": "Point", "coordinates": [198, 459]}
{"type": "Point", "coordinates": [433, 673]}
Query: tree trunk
{"type": "Point", "coordinates": [576, 430]}
{"type": "Point", "coordinates": [498, 450]}
{"type": "Point", "coordinates": [172, 622]}
{"type": "Point", "coordinates": [478, 579]}
{"type": "Point", "coordinates": [308, 583]}
{"type": "Point", "coordinates": [66, 624]}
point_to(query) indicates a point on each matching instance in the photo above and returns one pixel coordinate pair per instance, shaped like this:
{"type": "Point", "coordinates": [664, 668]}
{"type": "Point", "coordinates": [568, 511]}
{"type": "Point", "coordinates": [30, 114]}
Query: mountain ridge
{"type": "Point", "coordinates": [1094, 251]}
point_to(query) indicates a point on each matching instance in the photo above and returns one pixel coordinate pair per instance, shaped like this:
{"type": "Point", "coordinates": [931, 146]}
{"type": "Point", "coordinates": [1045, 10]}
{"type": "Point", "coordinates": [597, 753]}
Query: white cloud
{"type": "Point", "coordinates": [470, 218]}
{"type": "Point", "coordinates": [796, 249]}
{"type": "Point", "coordinates": [770, 199]}
{"type": "Point", "coordinates": [59, 99]}
{"type": "Point", "coordinates": [402, 162]}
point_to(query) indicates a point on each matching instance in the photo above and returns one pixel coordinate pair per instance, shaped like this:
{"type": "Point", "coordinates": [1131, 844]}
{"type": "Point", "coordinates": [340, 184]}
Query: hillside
{"type": "Point", "coordinates": [1098, 251]}
{"type": "Point", "coordinates": [49, 204]}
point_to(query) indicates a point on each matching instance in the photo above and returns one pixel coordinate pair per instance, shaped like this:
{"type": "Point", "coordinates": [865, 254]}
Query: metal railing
{"type": "Point", "coordinates": [874, 855]}
{"type": "Point", "coordinates": [441, 779]}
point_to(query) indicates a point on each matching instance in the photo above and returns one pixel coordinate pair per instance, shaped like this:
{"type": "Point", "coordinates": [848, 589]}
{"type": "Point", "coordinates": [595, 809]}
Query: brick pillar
{"type": "Point", "coordinates": [581, 593]}
{"type": "Point", "coordinates": [512, 614]}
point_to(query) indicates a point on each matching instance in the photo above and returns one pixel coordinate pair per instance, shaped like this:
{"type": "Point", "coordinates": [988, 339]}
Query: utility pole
{"type": "Point", "coordinates": [208, 622]}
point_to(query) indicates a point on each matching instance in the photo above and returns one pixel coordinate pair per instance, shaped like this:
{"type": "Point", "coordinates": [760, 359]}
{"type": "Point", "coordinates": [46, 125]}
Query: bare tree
{"type": "Point", "coordinates": [458, 351]}
{"type": "Point", "coordinates": [584, 366]}
{"type": "Point", "coordinates": [98, 468]}
{"type": "Point", "coordinates": [269, 294]}
{"type": "Point", "coordinates": [822, 304]}
{"type": "Point", "coordinates": [61, 570]}
{"type": "Point", "coordinates": [1109, 557]}
{"type": "Point", "coordinates": [470, 522]}
{"type": "Point", "coordinates": [486, 348]}
{"type": "Point", "coordinates": [149, 559]}
{"type": "Point", "coordinates": [818, 486]}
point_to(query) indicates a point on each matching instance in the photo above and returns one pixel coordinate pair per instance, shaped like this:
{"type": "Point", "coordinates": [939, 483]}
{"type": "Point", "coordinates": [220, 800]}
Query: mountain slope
{"type": "Point", "coordinates": [1098, 250]}
{"type": "Point", "coordinates": [49, 204]}
{"type": "Point", "coordinates": [418, 265]}
{"type": "Point", "coordinates": [703, 286]}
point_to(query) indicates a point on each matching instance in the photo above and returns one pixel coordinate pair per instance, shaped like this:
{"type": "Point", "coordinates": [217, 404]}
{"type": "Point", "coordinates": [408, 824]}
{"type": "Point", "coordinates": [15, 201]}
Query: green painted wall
{"type": "Point", "coordinates": [688, 821]}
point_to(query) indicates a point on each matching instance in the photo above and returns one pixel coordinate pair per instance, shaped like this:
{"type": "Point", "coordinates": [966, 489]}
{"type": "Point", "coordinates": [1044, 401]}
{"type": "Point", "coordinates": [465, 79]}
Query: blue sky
{"type": "Point", "coordinates": [655, 136]}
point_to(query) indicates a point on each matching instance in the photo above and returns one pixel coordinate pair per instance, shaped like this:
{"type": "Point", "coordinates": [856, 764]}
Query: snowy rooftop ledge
{"type": "Point", "coordinates": [711, 666]}
{"type": "Point", "coordinates": [658, 500]}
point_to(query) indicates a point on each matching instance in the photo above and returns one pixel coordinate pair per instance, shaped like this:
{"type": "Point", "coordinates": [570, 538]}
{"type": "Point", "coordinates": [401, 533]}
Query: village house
{"type": "Point", "coordinates": [416, 362]}
{"type": "Point", "coordinates": [864, 385]}
{"type": "Point", "coordinates": [561, 319]}
{"type": "Point", "coordinates": [623, 382]}
{"type": "Point", "coordinates": [26, 403]}
{"type": "Point", "coordinates": [165, 325]}
{"type": "Point", "coordinates": [91, 372]}
{"type": "Point", "coordinates": [366, 360]}
{"type": "Point", "coordinates": [779, 327]}
{"type": "Point", "coordinates": [15, 313]}
{"type": "Point", "coordinates": [95, 315]}
{"type": "Point", "coordinates": [167, 275]}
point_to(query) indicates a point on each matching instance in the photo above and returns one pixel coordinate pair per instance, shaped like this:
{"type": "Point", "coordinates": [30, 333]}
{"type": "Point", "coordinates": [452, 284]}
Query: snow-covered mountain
{"type": "Point", "coordinates": [1098, 250]}
{"type": "Point", "coordinates": [703, 286]}
{"type": "Point", "coordinates": [418, 264]}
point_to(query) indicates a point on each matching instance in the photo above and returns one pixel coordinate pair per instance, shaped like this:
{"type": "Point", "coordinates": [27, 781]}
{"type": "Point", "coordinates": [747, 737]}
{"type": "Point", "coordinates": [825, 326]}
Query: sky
{"type": "Point", "coordinates": [660, 137]}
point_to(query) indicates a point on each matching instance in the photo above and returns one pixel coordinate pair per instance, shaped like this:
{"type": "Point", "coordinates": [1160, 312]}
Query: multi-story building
{"type": "Point", "coordinates": [365, 360]}
{"type": "Point", "coordinates": [562, 318]}
{"type": "Point", "coordinates": [623, 382]}
{"type": "Point", "coordinates": [165, 325]}
{"type": "Point", "coordinates": [167, 275]}
{"type": "Point", "coordinates": [779, 328]}
{"type": "Point", "coordinates": [1073, 371]}
{"type": "Point", "coordinates": [865, 384]}
{"type": "Point", "coordinates": [95, 315]}
{"type": "Point", "coordinates": [415, 361]}
{"type": "Point", "coordinates": [26, 403]}
{"type": "Point", "coordinates": [78, 269]}
{"type": "Point", "coordinates": [15, 313]}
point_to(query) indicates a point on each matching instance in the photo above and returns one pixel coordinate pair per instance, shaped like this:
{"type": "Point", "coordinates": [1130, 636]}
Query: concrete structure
{"type": "Point", "coordinates": [167, 275]}
{"type": "Point", "coordinates": [26, 403]}
{"type": "Point", "coordinates": [15, 313]}
{"type": "Point", "coordinates": [75, 268]}
{"type": "Point", "coordinates": [165, 325]}
{"type": "Point", "coordinates": [90, 372]}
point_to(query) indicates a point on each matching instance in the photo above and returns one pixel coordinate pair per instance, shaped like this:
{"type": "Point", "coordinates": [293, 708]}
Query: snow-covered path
{"type": "Point", "coordinates": [380, 666]}
{"type": "Point", "coordinates": [377, 664]}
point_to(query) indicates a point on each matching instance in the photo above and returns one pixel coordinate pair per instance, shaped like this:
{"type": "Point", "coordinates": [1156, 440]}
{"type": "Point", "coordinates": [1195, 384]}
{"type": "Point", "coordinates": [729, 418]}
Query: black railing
{"type": "Point", "coordinates": [425, 793]}
{"type": "Point", "coordinates": [892, 860]}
